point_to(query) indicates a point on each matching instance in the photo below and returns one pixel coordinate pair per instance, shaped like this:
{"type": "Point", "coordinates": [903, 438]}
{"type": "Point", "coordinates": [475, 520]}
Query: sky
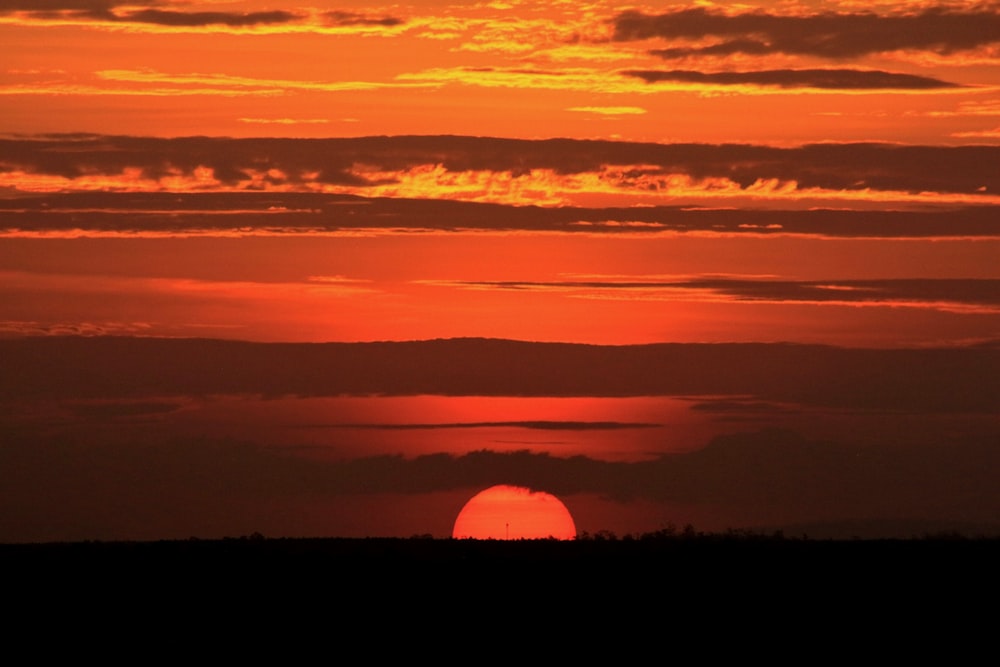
{"type": "Point", "coordinates": [333, 268]}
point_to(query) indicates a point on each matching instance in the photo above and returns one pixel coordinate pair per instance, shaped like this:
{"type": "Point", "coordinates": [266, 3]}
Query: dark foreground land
{"type": "Point", "coordinates": [342, 588]}
{"type": "Point", "coordinates": [730, 556]}
{"type": "Point", "coordinates": [428, 550]}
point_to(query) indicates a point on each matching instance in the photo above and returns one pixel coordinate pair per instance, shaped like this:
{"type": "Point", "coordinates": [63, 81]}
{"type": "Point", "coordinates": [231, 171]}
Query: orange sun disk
{"type": "Point", "coordinates": [513, 512]}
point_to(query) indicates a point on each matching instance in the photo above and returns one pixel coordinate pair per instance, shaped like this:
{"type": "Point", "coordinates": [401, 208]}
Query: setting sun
{"type": "Point", "coordinates": [514, 513]}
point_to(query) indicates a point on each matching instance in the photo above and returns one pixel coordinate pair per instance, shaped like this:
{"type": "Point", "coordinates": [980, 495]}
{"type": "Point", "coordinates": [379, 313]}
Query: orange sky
{"type": "Point", "coordinates": [811, 172]}
{"type": "Point", "coordinates": [512, 69]}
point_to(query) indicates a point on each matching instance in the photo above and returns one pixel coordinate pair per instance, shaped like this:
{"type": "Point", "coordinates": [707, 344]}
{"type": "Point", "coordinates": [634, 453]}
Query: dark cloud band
{"type": "Point", "coordinates": [66, 5]}
{"type": "Point", "coordinates": [827, 35]}
{"type": "Point", "coordinates": [195, 19]}
{"type": "Point", "coordinates": [960, 380]}
{"type": "Point", "coordinates": [151, 12]}
{"type": "Point", "coordinates": [342, 18]}
{"type": "Point", "coordinates": [939, 292]}
{"type": "Point", "coordinates": [540, 425]}
{"type": "Point", "coordinates": [844, 79]}
{"type": "Point", "coordinates": [855, 166]}
{"type": "Point", "coordinates": [295, 212]}
{"type": "Point", "coordinates": [125, 12]}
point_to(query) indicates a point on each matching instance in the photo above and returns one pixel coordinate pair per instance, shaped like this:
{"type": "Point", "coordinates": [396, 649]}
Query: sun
{"type": "Point", "coordinates": [514, 512]}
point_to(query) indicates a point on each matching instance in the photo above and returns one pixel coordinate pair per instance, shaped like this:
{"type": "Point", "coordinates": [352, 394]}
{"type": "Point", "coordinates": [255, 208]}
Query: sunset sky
{"type": "Point", "coordinates": [728, 265]}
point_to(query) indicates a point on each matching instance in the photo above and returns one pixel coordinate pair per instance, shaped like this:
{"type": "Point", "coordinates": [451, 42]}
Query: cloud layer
{"type": "Point", "coordinates": [275, 213]}
{"type": "Point", "coordinates": [948, 380]}
{"type": "Point", "coordinates": [223, 488]}
{"type": "Point", "coordinates": [369, 162]}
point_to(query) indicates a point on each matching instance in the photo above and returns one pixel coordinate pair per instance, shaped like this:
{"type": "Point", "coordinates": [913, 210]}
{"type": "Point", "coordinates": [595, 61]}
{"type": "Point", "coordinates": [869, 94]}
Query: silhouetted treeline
{"type": "Point", "coordinates": [603, 544]}
{"type": "Point", "coordinates": [674, 574]}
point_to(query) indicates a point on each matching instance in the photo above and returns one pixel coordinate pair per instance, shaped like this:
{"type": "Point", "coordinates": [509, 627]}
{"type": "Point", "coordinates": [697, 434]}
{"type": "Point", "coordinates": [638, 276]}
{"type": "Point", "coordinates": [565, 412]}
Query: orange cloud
{"type": "Point", "coordinates": [610, 111]}
{"type": "Point", "coordinates": [225, 81]}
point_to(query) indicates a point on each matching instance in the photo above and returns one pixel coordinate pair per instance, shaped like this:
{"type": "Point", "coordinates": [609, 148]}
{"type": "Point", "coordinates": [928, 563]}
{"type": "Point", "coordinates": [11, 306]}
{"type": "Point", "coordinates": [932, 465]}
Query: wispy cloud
{"type": "Point", "coordinates": [979, 134]}
{"type": "Point", "coordinates": [584, 79]}
{"type": "Point", "coordinates": [74, 328]}
{"type": "Point", "coordinates": [611, 111]}
{"type": "Point", "coordinates": [284, 121]}
{"type": "Point", "coordinates": [972, 108]}
{"type": "Point", "coordinates": [219, 81]}
{"type": "Point", "coordinates": [540, 425]}
{"type": "Point", "coordinates": [152, 83]}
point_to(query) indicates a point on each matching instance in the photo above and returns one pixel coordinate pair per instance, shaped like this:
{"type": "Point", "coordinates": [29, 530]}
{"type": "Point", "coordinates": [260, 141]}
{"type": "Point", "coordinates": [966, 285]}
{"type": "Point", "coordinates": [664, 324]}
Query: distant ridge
{"type": "Point", "coordinates": [894, 529]}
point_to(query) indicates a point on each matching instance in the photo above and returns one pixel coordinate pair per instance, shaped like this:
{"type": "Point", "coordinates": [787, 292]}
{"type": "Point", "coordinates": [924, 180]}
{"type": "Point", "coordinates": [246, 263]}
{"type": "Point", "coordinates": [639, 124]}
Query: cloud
{"type": "Point", "coordinates": [957, 295]}
{"type": "Point", "coordinates": [540, 425]}
{"type": "Point", "coordinates": [118, 11]}
{"type": "Point", "coordinates": [68, 489]}
{"type": "Point", "coordinates": [762, 468]}
{"type": "Point", "coordinates": [152, 83]}
{"type": "Point", "coordinates": [959, 380]}
{"type": "Point", "coordinates": [611, 111]}
{"type": "Point", "coordinates": [161, 15]}
{"type": "Point", "coordinates": [195, 19]}
{"type": "Point", "coordinates": [582, 79]}
{"type": "Point", "coordinates": [734, 409]}
{"type": "Point", "coordinates": [848, 79]}
{"type": "Point", "coordinates": [126, 11]}
{"type": "Point", "coordinates": [342, 18]}
{"type": "Point", "coordinates": [68, 5]}
{"type": "Point", "coordinates": [103, 410]}
{"type": "Point", "coordinates": [285, 121]}
{"type": "Point", "coordinates": [614, 167]}
{"type": "Point", "coordinates": [970, 109]}
{"type": "Point", "coordinates": [104, 328]}
{"type": "Point", "coordinates": [828, 35]}
{"type": "Point", "coordinates": [220, 82]}
{"type": "Point", "coordinates": [264, 213]}
{"type": "Point", "coordinates": [979, 134]}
